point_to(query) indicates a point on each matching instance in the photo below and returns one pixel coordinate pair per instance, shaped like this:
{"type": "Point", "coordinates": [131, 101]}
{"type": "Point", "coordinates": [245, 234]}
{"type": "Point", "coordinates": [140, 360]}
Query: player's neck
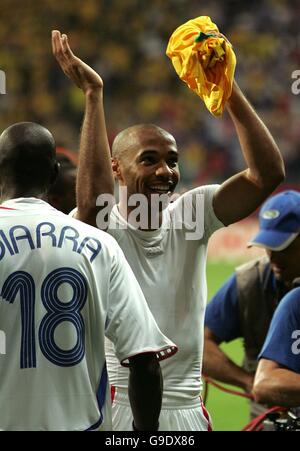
{"type": "Point", "coordinates": [15, 193]}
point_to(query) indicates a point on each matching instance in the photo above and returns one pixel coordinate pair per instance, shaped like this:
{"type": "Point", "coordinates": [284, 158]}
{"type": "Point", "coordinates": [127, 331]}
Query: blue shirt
{"type": "Point", "coordinates": [282, 344]}
{"type": "Point", "coordinates": [222, 315]}
{"type": "Point", "coordinates": [222, 312]}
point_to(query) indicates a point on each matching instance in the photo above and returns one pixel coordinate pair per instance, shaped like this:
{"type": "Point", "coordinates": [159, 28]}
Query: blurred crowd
{"type": "Point", "coordinates": [125, 41]}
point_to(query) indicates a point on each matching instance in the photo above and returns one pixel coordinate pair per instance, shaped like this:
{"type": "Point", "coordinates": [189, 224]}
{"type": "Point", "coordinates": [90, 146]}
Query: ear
{"type": "Point", "coordinates": [116, 168]}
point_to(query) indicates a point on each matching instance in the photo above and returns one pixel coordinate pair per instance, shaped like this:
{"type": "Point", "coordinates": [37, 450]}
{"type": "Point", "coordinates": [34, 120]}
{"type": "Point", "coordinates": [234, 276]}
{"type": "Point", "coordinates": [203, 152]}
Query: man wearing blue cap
{"type": "Point", "coordinates": [245, 304]}
{"type": "Point", "coordinates": [279, 221]}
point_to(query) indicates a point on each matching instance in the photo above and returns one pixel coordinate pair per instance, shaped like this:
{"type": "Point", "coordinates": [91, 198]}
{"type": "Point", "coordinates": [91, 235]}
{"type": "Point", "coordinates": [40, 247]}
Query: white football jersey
{"type": "Point", "coordinates": [169, 263]}
{"type": "Point", "coordinates": [64, 285]}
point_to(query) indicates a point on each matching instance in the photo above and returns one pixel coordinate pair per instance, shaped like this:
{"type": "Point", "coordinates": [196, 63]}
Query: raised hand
{"type": "Point", "coordinates": [80, 73]}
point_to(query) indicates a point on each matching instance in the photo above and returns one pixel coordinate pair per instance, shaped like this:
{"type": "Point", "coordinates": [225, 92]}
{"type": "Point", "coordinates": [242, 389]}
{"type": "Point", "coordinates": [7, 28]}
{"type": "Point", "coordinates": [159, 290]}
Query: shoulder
{"type": "Point", "coordinates": [286, 318]}
{"type": "Point", "coordinates": [290, 305]}
{"type": "Point", "coordinates": [226, 298]}
{"type": "Point", "coordinates": [197, 206]}
{"type": "Point", "coordinates": [227, 290]}
{"type": "Point", "coordinates": [256, 272]}
{"type": "Point", "coordinates": [256, 263]}
{"type": "Point", "coordinates": [92, 232]}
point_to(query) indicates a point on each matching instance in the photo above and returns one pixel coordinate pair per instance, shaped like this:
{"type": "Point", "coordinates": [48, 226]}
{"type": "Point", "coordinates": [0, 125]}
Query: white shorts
{"type": "Point", "coordinates": [194, 418]}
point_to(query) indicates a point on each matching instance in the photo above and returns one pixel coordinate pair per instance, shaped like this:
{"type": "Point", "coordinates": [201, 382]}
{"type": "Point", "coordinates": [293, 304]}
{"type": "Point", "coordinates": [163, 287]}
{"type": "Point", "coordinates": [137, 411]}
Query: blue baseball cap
{"type": "Point", "coordinates": [279, 221]}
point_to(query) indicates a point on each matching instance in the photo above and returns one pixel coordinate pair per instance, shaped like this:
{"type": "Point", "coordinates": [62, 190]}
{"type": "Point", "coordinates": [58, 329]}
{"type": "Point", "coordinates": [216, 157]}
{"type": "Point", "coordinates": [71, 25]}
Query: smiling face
{"type": "Point", "coordinates": [148, 161]}
{"type": "Point", "coordinates": [285, 264]}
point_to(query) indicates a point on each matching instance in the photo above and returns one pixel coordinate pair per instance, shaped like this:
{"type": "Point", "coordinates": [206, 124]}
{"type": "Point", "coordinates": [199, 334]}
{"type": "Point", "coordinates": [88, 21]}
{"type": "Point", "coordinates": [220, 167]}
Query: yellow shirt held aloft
{"type": "Point", "coordinates": [204, 60]}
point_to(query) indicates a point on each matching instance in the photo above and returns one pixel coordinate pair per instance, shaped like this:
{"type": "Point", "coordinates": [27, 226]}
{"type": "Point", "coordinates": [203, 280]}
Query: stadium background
{"type": "Point", "coordinates": [125, 41]}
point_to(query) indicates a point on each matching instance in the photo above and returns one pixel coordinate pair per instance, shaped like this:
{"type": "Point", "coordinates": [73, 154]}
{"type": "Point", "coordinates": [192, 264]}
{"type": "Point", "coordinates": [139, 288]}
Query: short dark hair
{"type": "Point", "coordinates": [123, 139]}
{"type": "Point", "coordinates": [27, 157]}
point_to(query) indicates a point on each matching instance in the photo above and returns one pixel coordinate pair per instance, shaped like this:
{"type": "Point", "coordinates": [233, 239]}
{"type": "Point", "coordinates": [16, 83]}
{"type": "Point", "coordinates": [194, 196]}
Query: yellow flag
{"type": "Point", "coordinates": [204, 60]}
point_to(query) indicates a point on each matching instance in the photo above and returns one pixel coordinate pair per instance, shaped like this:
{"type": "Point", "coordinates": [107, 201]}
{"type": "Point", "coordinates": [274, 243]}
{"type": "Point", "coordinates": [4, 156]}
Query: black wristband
{"type": "Point", "coordinates": [138, 430]}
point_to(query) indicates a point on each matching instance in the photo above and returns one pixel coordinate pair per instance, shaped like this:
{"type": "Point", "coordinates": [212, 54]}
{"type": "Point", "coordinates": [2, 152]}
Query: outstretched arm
{"type": "Point", "coordinates": [276, 385]}
{"type": "Point", "coordinates": [243, 193]}
{"type": "Point", "coordinates": [94, 170]}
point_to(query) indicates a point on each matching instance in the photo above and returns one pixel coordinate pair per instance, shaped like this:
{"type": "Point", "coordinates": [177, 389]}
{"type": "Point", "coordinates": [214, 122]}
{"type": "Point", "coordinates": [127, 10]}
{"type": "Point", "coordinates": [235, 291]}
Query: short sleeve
{"type": "Point", "coordinates": [282, 344]}
{"type": "Point", "coordinates": [194, 210]}
{"type": "Point", "coordinates": [130, 324]}
{"type": "Point", "coordinates": [222, 312]}
{"type": "Point", "coordinates": [212, 223]}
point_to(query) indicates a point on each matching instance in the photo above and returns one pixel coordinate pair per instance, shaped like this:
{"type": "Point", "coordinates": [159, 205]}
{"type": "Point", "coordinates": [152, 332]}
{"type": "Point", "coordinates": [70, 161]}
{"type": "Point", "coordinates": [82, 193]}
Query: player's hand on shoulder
{"type": "Point", "coordinates": [79, 72]}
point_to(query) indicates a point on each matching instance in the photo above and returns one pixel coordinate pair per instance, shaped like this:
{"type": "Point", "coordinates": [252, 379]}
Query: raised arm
{"type": "Point", "coordinates": [240, 195]}
{"type": "Point", "coordinates": [276, 385]}
{"type": "Point", "coordinates": [94, 170]}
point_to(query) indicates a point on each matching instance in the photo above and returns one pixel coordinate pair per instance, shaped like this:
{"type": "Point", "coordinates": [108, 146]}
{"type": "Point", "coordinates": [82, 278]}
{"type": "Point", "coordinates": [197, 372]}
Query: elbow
{"type": "Point", "coordinates": [272, 179]}
{"type": "Point", "coordinates": [260, 392]}
{"type": "Point", "coordinates": [279, 176]}
{"type": "Point", "coordinates": [275, 177]}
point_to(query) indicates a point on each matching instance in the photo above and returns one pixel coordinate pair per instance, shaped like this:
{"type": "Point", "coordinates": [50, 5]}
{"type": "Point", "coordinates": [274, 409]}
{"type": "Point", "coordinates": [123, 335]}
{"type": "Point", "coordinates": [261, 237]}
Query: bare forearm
{"type": "Point", "coordinates": [145, 395]}
{"type": "Point", "coordinates": [218, 366]}
{"type": "Point", "coordinates": [94, 172]}
{"type": "Point", "coordinates": [243, 193]}
{"type": "Point", "coordinates": [265, 164]}
{"type": "Point", "coordinates": [278, 387]}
